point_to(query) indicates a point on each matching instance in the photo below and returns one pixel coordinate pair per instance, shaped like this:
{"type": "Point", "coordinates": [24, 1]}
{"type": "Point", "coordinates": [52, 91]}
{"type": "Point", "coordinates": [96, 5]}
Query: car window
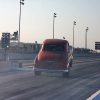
{"type": "Point", "coordinates": [53, 47]}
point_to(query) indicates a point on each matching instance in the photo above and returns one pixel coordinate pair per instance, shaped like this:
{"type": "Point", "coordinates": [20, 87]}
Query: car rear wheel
{"type": "Point", "coordinates": [66, 74]}
{"type": "Point", "coordinates": [37, 72]}
{"type": "Point", "coordinates": [71, 63]}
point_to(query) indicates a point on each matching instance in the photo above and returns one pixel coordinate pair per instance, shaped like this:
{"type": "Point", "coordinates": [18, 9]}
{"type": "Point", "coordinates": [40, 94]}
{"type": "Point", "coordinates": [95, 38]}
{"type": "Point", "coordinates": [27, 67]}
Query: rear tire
{"type": "Point", "coordinates": [66, 74]}
{"type": "Point", "coordinates": [71, 62]}
{"type": "Point", "coordinates": [37, 72]}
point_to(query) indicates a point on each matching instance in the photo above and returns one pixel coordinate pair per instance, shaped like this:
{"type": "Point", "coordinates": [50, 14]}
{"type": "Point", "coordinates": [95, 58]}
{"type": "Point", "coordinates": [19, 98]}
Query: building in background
{"type": "Point", "coordinates": [26, 48]}
{"type": "Point", "coordinates": [29, 48]}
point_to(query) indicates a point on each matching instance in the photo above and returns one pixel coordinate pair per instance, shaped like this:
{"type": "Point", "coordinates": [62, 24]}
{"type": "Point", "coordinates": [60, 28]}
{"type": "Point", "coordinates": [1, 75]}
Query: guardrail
{"type": "Point", "coordinates": [87, 55]}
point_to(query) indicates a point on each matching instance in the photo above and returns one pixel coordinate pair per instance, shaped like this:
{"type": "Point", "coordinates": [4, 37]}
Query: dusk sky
{"type": "Point", "coordinates": [37, 20]}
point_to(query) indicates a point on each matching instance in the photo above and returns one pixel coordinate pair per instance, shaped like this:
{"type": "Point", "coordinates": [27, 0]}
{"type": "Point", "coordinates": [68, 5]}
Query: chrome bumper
{"type": "Point", "coordinates": [49, 70]}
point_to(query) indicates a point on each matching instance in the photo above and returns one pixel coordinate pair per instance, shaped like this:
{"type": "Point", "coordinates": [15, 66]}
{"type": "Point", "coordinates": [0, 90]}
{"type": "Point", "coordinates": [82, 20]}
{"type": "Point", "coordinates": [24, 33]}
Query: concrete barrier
{"type": "Point", "coordinates": [32, 56]}
{"type": "Point", "coordinates": [87, 55]}
{"type": "Point", "coordinates": [20, 56]}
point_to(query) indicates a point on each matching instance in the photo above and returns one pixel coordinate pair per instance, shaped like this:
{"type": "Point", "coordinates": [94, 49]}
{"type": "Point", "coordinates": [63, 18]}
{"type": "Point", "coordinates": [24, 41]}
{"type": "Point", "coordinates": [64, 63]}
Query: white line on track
{"type": "Point", "coordinates": [94, 95]}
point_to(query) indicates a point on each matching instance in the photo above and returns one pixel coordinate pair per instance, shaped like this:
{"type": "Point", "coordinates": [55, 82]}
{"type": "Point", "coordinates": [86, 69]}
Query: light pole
{"type": "Point", "coordinates": [53, 23]}
{"type": "Point", "coordinates": [21, 3]}
{"type": "Point", "coordinates": [73, 33]}
{"type": "Point", "coordinates": [86, 37]}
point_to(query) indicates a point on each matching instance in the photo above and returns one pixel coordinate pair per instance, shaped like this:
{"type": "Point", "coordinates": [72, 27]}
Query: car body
{"type": "Point", "coordinates": [55, 55]}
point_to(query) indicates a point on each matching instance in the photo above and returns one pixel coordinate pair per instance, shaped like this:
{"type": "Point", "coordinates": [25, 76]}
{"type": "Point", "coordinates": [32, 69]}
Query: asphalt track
{"type": "Point", "coordinates": [84, 81]}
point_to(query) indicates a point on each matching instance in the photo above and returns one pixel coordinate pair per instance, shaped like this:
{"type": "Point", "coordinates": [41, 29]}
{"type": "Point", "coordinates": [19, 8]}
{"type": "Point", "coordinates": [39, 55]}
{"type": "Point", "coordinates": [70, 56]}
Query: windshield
{"type": "Point", "coordinates": [53, 47]}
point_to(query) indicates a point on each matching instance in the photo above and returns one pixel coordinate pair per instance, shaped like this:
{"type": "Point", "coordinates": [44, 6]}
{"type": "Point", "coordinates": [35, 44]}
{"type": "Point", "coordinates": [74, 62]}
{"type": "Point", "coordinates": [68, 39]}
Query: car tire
{"type": "Point", "coordinates": [66, 74]}
{"type": "Point", "coordinates": [37, 72]}
{"type": "Point", "coordinates": [71, 63]}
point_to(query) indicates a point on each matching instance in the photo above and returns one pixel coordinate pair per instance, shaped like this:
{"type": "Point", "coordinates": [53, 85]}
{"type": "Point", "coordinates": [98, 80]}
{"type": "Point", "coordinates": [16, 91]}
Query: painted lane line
{"type": "Point", "coordinates": [95, 96]}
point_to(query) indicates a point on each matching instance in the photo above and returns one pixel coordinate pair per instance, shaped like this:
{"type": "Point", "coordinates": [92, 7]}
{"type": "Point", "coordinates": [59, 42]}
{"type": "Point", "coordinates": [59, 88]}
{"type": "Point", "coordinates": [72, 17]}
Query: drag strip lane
{"type": "Point", "coordinates": [83, 82]}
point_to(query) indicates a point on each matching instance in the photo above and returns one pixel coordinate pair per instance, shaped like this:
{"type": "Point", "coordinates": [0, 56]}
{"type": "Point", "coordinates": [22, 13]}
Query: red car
{"type": "Point", "coordinates": [55, 56]}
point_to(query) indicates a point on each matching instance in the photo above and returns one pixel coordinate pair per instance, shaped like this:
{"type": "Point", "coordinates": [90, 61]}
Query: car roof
{"type": "Point", "coordinates": [55, 41]}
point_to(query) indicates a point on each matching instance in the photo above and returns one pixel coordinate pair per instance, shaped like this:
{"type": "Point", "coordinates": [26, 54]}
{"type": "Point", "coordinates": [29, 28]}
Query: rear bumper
{"type": "Point", "coordinates": [49, 70]}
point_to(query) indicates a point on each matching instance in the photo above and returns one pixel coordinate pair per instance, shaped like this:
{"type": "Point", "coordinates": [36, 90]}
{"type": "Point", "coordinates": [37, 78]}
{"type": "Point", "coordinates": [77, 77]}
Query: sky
{"type": "Point", "coordinates": [37, 20]}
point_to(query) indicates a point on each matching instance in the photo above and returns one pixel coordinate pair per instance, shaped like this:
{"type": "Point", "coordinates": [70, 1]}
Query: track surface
{"type": "Point", "coordinates": [84, 80]}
